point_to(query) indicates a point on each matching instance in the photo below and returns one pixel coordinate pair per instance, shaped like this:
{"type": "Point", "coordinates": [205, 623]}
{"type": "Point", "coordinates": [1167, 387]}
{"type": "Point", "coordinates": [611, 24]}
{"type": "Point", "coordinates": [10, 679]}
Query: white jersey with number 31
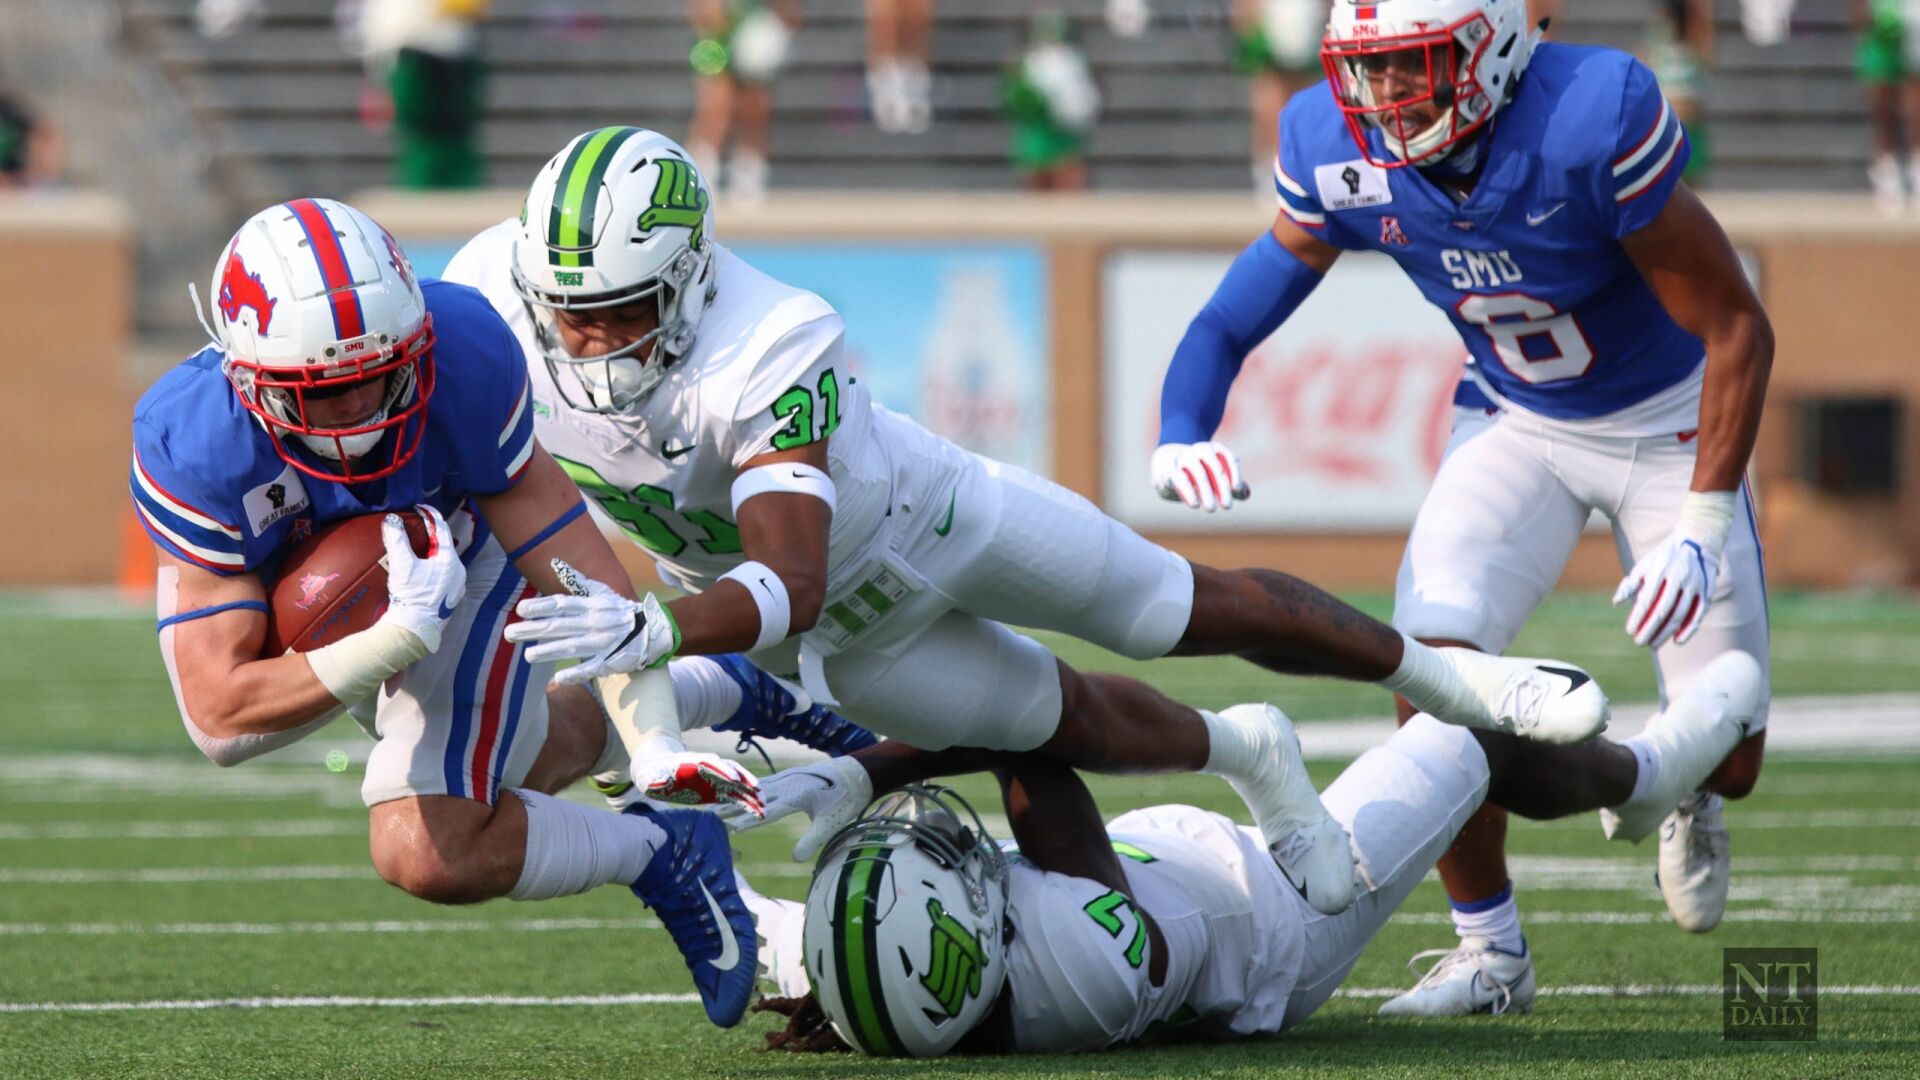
{"type": "Point", "coordinates": [767, 372]}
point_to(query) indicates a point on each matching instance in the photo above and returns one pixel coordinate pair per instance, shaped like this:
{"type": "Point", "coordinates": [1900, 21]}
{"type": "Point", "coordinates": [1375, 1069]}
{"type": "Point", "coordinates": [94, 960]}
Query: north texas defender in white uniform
{"type": "Point", "coordinates": [709, 409]}
{"type": "Point", "coordinates": [919, 938]}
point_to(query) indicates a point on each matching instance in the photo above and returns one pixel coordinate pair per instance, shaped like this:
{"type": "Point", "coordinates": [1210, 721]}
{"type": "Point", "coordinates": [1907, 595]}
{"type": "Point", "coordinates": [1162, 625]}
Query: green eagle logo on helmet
{"type": "Point", "coordinates": [953, 974]}
{"type": "Point", "coordinates": [679, 200]}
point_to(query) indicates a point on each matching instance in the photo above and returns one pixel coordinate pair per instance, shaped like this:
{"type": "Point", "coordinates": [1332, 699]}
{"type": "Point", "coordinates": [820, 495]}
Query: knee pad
{"type": "Point", "coordinates": [1144, 601]}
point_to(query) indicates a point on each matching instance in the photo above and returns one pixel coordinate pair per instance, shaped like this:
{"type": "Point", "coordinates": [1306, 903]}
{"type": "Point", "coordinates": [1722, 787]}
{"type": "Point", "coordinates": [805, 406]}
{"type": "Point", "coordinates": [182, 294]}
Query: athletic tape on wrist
{"type": "Point", "coordinates": [770, 596]}
{"type": "Point", "coordinates": [357, 664]}
{"type": "Point", "coordinates": [789, 477]}
{"type": "Point", "coordinates": [1707, 517]}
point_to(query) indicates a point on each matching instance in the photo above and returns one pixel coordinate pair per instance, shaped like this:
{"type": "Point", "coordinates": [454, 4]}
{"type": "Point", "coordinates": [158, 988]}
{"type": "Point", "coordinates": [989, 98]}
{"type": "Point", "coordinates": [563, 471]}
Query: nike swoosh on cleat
{"type": "Point", "coordinates": [1298, 886]}
{"type": "Point", "coordinates": [1578, 677]}
{"type": "Point", "coordinates": [730, 951]}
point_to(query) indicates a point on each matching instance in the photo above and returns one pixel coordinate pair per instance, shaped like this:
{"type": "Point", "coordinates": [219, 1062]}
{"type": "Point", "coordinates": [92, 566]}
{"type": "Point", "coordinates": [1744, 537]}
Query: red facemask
{"type": "Point", "coordinates": [282, 398]}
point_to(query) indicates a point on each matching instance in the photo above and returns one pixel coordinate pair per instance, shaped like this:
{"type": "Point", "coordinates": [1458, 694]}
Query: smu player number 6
{"type": "Point", "coordinates": [1509, 318]}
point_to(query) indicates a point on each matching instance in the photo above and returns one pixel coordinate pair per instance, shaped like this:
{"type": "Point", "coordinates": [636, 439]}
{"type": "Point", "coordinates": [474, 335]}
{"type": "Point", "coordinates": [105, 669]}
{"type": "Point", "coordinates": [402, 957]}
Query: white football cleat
{"type": "Point", "coordinates": [1695, 864]}
{"type": "Point", "coordinates": [1312, 850]}
{"type": "Point", "coordinates": [1691, 737]}
{"type": "Point", "coordinates": [1473, 978]}
{"type": "Point", "coordinates": [1545, 700]}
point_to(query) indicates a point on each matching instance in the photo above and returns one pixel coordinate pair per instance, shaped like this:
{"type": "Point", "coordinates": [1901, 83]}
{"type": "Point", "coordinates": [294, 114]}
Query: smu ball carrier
{"type": "Point", "coordinates": [339, 385]}
{"type": "Point", "coordinates": [1619, 360]}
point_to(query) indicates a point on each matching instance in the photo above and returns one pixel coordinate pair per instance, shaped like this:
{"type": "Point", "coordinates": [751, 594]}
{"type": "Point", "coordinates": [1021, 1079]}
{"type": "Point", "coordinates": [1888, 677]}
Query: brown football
{"type": "Point", "coordinates": [333, 584]}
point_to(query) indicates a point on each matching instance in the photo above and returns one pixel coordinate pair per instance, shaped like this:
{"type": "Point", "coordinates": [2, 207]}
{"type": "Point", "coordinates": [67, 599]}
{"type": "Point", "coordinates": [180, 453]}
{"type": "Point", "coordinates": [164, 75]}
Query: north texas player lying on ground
{"type": "Point", "coordinates": [1619, 360]}
{"type": "Point", "coordinates": [710, 410]}
{"type": "Point", "coordinates": [917, 938]}
{"type": "Point", "coordinates": [313, 405]}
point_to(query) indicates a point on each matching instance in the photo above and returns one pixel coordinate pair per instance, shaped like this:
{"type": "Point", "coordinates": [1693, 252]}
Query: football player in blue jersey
{"type": "Point", "coordinates": [339, 385]}
{"type": "Point", "coordinates": [1619, 360]}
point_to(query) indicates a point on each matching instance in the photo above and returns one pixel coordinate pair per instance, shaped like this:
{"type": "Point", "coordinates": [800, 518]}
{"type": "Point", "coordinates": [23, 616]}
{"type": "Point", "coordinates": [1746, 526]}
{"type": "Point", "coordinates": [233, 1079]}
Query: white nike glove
{"type": "Point", "coordinates": [1674, 581]}
{"type": "Point", "coordinates": [694, 779]}
{"type": "Point", "coordinates": [831, 792]}
{"type": "Point", "coordinates": [608, 633]}
{"type": "Point", "coordinates": [1202, 475]}
{"type": "Point", "coordinates": [422, 592]}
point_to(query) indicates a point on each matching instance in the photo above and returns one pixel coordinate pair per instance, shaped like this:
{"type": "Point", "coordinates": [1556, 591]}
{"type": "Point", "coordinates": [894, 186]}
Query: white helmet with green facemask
{"type": "Point", "coordinates": [619, 216]}
{"type": "Point", "coordinates": [906, 925]}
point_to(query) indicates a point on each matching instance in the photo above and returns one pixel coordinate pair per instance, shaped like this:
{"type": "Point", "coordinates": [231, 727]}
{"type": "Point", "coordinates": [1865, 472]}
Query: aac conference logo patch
{"type": "Point", "coordinates": [1770, 995]}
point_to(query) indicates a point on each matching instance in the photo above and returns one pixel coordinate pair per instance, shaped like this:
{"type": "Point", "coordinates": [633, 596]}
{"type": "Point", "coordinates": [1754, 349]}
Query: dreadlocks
{"type": "Point", "coordinates": [808, 1030]}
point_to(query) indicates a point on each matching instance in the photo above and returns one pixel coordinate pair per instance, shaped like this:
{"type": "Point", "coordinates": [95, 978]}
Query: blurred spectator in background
{"type": "Point", "coordinates": [30, 147]}
{"type": "Point", "coordinates": [899, 86]}
{"type": "Point", "coordinates": [427, 55]}
{"type": "Point", "coordinates": [1277, 46]}
{"type": "Point", "coordinates": [1052, 103]}
{"type": "Point", "coordinates": [742, 46]}
{"type": "Point", "coordinates": [1678, 44]}
{"type": "Point", "coordinates": [1888, 62]}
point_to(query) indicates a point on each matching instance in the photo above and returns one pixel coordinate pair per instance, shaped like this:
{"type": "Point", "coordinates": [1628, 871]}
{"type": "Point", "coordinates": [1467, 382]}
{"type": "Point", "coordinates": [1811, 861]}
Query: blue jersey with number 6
{"type": "Point", "coordinates": [1529, 267]}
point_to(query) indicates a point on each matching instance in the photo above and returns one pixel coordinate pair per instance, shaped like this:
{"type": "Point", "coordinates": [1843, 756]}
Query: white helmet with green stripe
{"type": "Point", "coordinates": [620, 215]}
{"type": "Point", "coordinates": [906, 925]}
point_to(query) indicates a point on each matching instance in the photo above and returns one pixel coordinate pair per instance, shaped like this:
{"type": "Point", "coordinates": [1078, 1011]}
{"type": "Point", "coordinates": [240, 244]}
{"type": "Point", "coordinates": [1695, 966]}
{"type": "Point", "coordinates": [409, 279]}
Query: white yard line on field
{"type": "Point", "coordinates": [182, 830]}
{"type": "Point", "coordinates": [387, 926]}
{"type": "Point", "coordinates": [186, 874]}
{"type": "Point", "coordinates": [1632, 990]}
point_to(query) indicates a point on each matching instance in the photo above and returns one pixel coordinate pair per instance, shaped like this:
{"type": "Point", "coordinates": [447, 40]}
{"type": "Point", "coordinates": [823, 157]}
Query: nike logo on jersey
{"type": "Point", "coordinates": [729, 947]}
{"type": "Point", "coordinates": [1688, 436]}
{"type": "Point", "coordinates": [946, 523]}
{"type": "Point", "coordinates": [1535, 217]}
{"type": "Point", "coordinates": [1577, 678]}
{"type": "Point", "coordinates": [676, 453]}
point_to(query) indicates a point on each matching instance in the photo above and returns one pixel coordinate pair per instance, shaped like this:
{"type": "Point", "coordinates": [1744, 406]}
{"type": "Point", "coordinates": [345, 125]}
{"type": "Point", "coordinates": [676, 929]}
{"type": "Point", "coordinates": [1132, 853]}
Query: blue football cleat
{"type": "Point", "coordinates": [768, 711]}
{"type": "Point", "coordinates": [689, 885]}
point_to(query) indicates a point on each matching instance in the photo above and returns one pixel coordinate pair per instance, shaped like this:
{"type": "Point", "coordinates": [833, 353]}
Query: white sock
{"type": "Point", "coordinates": [1435, 686]}
{"type": "Point", "coordinates": [706, 694]}
{"type": "Point", "coordinates": [1496, 918]}
{"type": "Point", "coordinates": [1648, 758]}
{"type": "Point", "coordinates": [572, 848]}
{"type": "Point", "coordinates": [1231, 751]}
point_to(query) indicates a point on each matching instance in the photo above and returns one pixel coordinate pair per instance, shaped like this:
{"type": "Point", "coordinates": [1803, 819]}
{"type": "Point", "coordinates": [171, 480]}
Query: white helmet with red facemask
{"type": "Point", "coordinates": [312, 299]}
{"type": "Point", "coordinates": [1426, 74]}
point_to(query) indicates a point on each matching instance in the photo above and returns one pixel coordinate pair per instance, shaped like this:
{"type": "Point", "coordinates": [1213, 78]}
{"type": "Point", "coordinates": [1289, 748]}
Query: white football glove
{"type": "Point", "coordinates": [422, 592]}
{"type": "Point", "coordinates": [1674, 581]}
{"type": "Point", "coordinates": [1202, 475]}
{"type": "Point", "coordinates": [608, 633]}
{"type": "Point", "coordinates": [831, 792]}
{"type": "Point", "coordinates": [694, 779]}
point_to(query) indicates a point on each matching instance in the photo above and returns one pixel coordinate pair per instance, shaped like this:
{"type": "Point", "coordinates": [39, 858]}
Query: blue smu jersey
{"type": "Point", "coordinates": [1530, 267]}
{"type": "Point", "coordinates": [209, 487]}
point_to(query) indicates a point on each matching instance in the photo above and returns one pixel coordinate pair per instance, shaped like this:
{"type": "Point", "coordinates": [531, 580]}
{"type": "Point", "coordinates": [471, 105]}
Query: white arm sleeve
{"type": "Point", "coordinates": [222, 752]}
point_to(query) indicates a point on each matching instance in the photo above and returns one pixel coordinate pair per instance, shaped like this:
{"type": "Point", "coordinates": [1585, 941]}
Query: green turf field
{"type": "Point", "coordinates": [133, 873]}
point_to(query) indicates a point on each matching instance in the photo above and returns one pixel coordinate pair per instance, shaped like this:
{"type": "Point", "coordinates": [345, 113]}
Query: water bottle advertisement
{"type": "Point", "coordinates": [953, 336]}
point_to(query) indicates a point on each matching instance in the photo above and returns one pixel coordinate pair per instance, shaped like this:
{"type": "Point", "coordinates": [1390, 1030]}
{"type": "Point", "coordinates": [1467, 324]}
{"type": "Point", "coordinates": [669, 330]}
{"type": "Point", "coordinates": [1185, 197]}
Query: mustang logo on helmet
{"type": "Point", "coordinates": [239, 289]}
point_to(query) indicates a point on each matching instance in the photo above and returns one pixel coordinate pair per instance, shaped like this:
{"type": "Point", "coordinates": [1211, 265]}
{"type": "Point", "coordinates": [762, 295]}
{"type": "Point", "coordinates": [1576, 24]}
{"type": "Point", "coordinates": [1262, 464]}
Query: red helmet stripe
{"type": "Point", "coordinates": [325, 245]}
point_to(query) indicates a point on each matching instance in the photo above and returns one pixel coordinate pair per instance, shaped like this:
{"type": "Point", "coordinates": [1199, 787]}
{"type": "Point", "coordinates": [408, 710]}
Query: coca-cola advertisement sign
{"type": "Point", "coordinates": [1339, 418]}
